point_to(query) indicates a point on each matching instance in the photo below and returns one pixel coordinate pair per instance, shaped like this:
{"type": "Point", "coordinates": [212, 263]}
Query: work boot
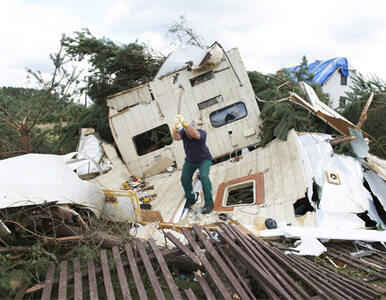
{"type": "Point", "coordinates": [189, 204]}
{"type": "Point", "coordinates": [207, 209]}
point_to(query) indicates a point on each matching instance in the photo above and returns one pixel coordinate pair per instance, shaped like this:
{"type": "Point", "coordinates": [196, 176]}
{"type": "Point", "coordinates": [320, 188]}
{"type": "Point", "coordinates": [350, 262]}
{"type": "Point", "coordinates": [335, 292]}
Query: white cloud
{"type": "Point", "coordinates": [269, 34]}
{"type": "Point", "coordinates": [29, 33]}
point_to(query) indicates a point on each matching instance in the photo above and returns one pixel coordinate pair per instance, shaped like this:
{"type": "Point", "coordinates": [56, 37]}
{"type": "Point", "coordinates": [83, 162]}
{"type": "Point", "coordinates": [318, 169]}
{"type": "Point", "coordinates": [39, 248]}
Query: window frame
{"type": "Point", "coordinates": [343, 79]}
{"type": "Point", "coordinates": [225, 108]}
{"type": "Point", "coordinates": [236, 186]}
{"type": "Point", "coordinates": [164, 144]}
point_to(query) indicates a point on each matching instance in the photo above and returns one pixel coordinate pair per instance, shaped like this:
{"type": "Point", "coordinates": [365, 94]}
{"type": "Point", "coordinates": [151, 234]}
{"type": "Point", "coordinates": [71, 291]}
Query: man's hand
{"type": "Point", "coordinates": [177, 127]}
{"type": "Point", "coordinates": [181, 120]}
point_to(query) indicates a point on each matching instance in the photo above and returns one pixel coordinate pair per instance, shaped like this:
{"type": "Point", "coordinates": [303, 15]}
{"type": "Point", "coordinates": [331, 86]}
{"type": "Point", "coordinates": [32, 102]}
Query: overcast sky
{"type": "Point", "coordinates": [270, 34]}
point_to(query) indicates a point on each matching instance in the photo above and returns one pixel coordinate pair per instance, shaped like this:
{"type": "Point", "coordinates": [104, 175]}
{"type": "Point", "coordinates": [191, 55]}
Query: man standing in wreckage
{"type": "Point", "coordinates": [197, 157]}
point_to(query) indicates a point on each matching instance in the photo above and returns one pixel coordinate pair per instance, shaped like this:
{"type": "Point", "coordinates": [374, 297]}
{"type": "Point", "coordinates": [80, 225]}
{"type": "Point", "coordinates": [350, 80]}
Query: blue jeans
{"type": "Point", "coordinates": [186, 180]}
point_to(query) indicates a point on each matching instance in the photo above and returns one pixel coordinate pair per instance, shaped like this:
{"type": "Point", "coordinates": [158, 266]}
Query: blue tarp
{"type": "Point", "coordinates": [323, 69]}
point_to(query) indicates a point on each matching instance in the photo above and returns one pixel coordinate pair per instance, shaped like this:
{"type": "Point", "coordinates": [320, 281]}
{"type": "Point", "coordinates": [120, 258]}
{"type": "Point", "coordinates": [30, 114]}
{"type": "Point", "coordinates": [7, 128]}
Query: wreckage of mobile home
{"type": "Point", "coordinates": [294, 180]}
{"type": "Point", "coordinates": [216, 94]}
{"type": "Point", "coordinates": [250, 184]}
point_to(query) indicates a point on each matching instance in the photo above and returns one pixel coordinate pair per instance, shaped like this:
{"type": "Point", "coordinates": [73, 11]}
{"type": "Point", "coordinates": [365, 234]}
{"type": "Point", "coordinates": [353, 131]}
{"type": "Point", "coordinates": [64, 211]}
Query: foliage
{"type": "Point", "coordinates": [301, 73]}
{"type": "Point", "coordinates": [113, 68]}
{"type": "Point", "coordinates": [22, 110]}
{"type": "Point", "coordinates": [20, 103]}
{"type": "Point", "coordinates": [271, 92]}
{"type": "Point", "coordinates": [375, 125]}
{"type": "Point", "coordinates": [273, 87]}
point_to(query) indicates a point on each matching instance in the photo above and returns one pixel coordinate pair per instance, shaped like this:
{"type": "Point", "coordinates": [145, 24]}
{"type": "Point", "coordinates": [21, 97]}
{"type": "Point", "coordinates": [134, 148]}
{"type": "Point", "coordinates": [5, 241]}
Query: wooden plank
{"type": "Point", "coordinates": [135, 272]}
{"type": "Point", "coordinates": [106, 276]}
{"type": "Point", "coordinates": [183, 248]}
{"type": "Point", "coordinates": [231, 265]}
{"type": "Point", "coordinates": [232, 279]}
{"type": "Point", "coordinates": [150, 271]}
{"type": "Point", "coordinates": [204, 285]}
{"type": "Point", "coordinates": [189, 293]}
{"type": "Point", "coordinates": [275, 270]}
{"type": "Point", "coordinates": [92, 283]}
{"type": "Point", "coordinates": [221, 287]}
{"type": "Point", "coordinates": [165, 270]}
{"type": "Point", "coordinates": [121, 274]}
{"type": "Point", "coordinates": [48, 283]}
{"type": "Point", "coordinates": [63, 281]}
{"type": "Point", "coordinates": [77, 280]}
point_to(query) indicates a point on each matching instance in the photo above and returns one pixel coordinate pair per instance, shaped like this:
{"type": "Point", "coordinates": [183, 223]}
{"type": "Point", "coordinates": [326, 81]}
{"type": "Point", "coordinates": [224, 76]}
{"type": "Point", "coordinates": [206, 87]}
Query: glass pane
{"type": "Point", "coordinates": [153, 139]}
{"type": "Point", "coordinates": [228, 114]}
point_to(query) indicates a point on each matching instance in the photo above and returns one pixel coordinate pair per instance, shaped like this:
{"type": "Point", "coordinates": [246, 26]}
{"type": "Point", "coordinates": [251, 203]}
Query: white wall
{"type": "Point", "coordinates": [335, 90]}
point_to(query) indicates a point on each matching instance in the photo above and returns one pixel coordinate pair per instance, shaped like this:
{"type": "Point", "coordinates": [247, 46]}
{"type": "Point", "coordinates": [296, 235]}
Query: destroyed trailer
{"type": "Point", "coordinates": [295, 184]}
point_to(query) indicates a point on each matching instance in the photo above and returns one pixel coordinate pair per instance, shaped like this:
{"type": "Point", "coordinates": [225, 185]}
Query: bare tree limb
{"type": "Point", "coordinates": [8, 114]}
{"type": "Point", "coordinates": [51, 87]}
{"type": "Point", "coordinates": [8, 143]}
{"type": "Point", "coordinates": [41, 140]}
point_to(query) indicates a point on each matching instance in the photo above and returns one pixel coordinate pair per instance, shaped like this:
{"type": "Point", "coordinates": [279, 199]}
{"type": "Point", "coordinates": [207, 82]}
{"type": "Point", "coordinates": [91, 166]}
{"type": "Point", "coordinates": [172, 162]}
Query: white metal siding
{"type": "Point", "coordinates": [148, 115]}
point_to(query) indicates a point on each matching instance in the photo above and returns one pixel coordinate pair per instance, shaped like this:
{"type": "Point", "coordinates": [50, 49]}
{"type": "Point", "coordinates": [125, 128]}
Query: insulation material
{"type": "Point", "coordinates": [308, 172]}
{"type": "Point", "coordinates": [153, 230]}
{"type": "Point", "coordinates": [378, 188]}
{"type": "Point", "coordinates": [377, 164]}
{"type": "Point", "coordinates": [359, 146]}
{"type": "Point", "coordinates": [90, 152]}
{"type": "Point", "coordinates": [349, 195]}
{"type": "Point", "coordinates": [326, 233]}
{"type": "Point", "coordinates": [34, 179]}
{"type": "Point", "coordinates": [340, 178]}
{"type": "Point", "coordinates": [180, 57]}
{"type": "Point", "coordinates": [122, 206]}
{"type": "Point", "coordinates": [309, 245]}
{"type": "Point", "coordinates": [338, 220]}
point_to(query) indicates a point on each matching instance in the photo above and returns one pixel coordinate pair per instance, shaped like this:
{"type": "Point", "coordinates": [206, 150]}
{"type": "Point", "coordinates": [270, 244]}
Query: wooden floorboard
{"type": "Point", "coordinates": [78, 289]}
{"type": "Point", "coordinates": [107, 276]}
{"type": "Point", "coordinates": [121, 274]}
{"type": "Point", "coordinates": [150, 271]}
{"type": "Point", "coordinates": [62, 293]}
{"type": "Point", "coordinates": [92, 282]}
{"type": "Point", "coordinates": [48, 283]}
{"type": "Point", "coordinates": [134, 270]}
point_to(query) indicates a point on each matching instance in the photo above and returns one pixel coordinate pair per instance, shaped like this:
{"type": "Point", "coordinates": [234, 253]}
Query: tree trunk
{"type": "Point", "coordinates": [24, 136]}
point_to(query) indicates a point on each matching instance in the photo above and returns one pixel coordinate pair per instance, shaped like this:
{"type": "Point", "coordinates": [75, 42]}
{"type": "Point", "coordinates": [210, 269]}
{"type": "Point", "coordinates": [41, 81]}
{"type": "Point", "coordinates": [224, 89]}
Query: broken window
{"type": "Point", "coordinates": [153, 139]}
{"type": "Point", "coordinates": [201, 78]}
{"type": "Point", "coordinates": [209, 102]}
{"type": "Point", "coordinates": [228, 114]}
{"type": "Point", "coordinates": [239, 194]}
{"type": "Point", "coordinates": [343, 79]}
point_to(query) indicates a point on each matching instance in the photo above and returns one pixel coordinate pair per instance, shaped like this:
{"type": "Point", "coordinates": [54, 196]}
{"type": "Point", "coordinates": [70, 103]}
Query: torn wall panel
{"type": "Point", "coordinates": [123, 100]}
{"type": "Point", "coordinates": [321, 110]}
{"type": "Point", "coordinates": [339, 177]}
{"type": "Point", "coordinates": [34, 179]}
{"type": "Point", "coordinates": [378, 188]}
